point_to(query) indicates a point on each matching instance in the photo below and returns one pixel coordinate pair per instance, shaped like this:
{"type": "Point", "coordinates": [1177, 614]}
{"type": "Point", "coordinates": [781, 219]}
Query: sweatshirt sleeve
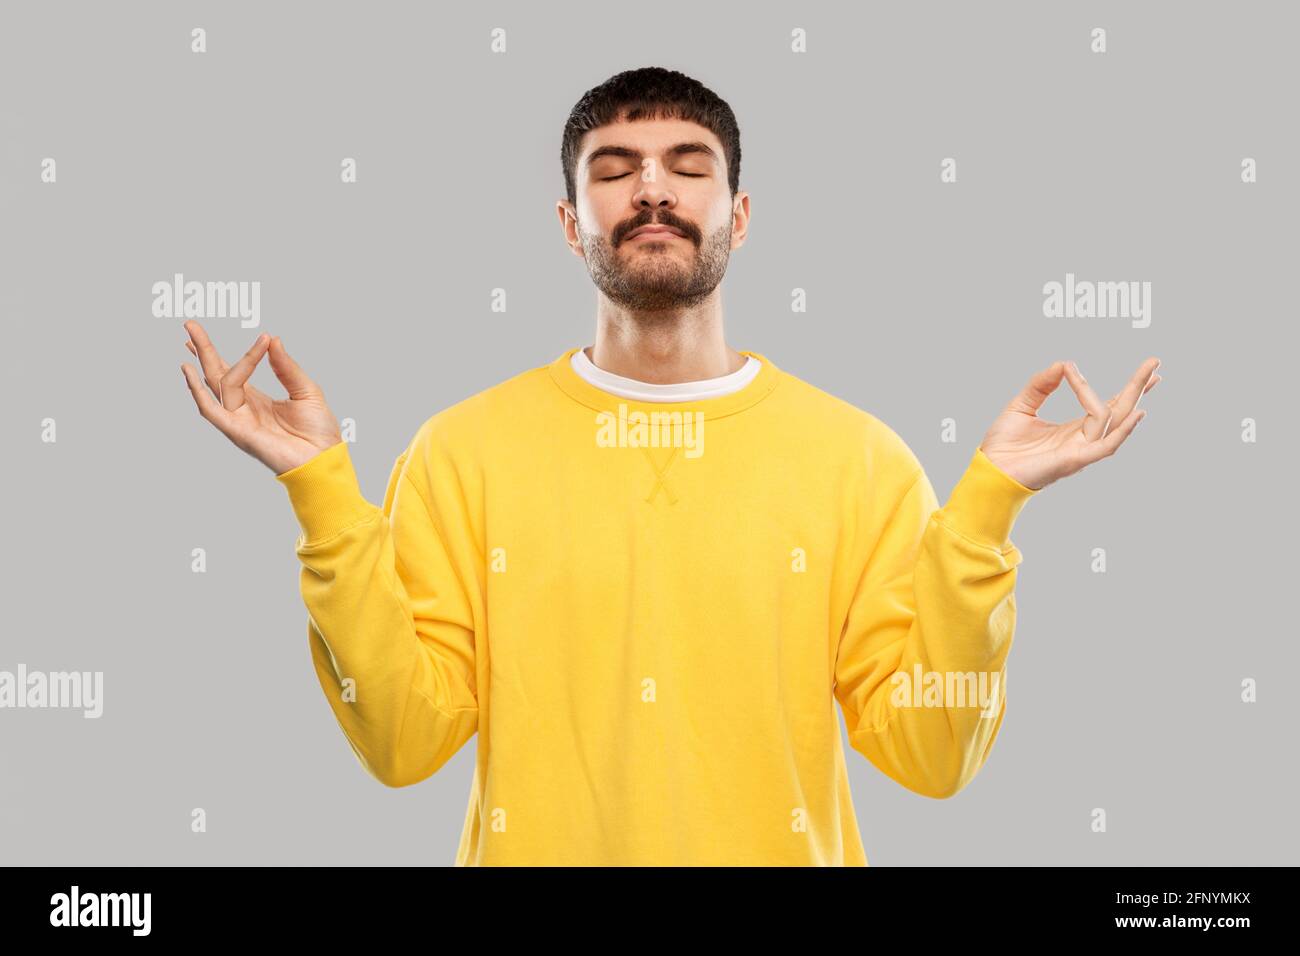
{"type": "Point", "coordinates": [936, 598]}
{"type": "Point", "coordinates": [389, 623]}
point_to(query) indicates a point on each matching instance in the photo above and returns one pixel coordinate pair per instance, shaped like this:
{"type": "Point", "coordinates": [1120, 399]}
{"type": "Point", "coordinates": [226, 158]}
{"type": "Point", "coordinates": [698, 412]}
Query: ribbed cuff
{"type": "Point", "coordinates": [325, 493]}
{"type": "Point", "coordinates": [985, 503]}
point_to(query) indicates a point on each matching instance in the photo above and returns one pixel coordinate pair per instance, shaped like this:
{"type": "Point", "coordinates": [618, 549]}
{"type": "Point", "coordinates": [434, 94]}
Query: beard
{"type": "Point", "coordinates": [657, 279]}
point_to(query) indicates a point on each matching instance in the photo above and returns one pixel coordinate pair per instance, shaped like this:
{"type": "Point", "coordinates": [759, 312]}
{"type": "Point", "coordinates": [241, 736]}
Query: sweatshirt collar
{"type": "Point", "coordinates": [582, 391]}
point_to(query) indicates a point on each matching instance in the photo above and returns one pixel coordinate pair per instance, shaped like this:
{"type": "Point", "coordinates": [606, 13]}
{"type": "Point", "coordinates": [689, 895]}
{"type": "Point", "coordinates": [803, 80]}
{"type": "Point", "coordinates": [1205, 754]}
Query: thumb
{"type": "Point", "coordinates": [1041, 385]}
{"type": "Point", "coordinates": [289, 372]}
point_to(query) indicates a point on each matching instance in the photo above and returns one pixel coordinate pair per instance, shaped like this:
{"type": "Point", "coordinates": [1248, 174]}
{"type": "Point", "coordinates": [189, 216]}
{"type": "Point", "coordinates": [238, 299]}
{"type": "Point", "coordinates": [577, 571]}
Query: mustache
{"type": "Point", "coordinates": [664, 219]}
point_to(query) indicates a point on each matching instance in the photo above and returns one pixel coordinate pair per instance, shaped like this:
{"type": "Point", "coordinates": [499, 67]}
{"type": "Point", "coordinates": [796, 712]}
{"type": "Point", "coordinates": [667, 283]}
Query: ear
{"type": "Point", "coordinates": [739, 219]}
{"type": "Point", "coordinates": [569, 223]}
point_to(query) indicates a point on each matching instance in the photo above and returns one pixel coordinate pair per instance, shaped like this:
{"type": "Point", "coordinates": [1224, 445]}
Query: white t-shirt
{"type": "Point", "coordinates": [674, 392]}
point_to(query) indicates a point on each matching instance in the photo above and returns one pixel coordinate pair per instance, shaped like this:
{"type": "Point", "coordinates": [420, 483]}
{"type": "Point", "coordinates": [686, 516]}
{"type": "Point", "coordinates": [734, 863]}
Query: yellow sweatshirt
{"type": "Point", "coordinates": [649, 620]}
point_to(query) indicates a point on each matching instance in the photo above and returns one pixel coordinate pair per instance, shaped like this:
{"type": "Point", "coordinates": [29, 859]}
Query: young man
{"type": "Point", "coordinates": [646, 572]}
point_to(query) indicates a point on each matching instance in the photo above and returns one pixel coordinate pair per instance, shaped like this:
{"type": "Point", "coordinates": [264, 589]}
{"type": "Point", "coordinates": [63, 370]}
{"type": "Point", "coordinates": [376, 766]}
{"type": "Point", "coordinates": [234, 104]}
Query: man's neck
{"type": "Point", "coordinates": [666, 349]}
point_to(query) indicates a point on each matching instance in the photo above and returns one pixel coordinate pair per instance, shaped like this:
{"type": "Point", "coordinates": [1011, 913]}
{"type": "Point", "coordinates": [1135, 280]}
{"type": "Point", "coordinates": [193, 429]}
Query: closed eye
{"type": "Point", "coordinates": [610, 179]}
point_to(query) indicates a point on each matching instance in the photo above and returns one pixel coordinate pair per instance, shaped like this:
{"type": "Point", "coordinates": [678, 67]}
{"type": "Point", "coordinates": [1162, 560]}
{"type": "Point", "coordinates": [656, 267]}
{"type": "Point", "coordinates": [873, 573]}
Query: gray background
{"type": "Point", "coordinates": [925, 302]}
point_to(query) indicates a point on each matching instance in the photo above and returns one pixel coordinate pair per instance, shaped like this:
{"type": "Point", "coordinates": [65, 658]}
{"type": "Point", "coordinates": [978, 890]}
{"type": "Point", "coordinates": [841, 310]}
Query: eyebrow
{"type": "Point", "coordinates": [681, 149]}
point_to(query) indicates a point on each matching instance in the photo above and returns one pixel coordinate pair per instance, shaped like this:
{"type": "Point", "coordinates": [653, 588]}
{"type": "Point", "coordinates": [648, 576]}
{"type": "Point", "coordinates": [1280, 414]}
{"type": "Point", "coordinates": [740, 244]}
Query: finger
{"type": "Point", "coordinates": [208, 406]}
{"type": "Point", "coordinates": [1098, 418]}
{"type": "Point", "coordinates": [1132, 393]}
{"type": "Point", "coordinates": [231, 392]}
{"type": "Point", "coordinates": [290, 374]}
{"type": "Point", "coordinates": [1155, 378]}
{"type": "Point", "coordinates": [1105, 447]}
{"type": "Point", "coordinates": [249, 390]}
{"type": "Point", "coordinates": [1040, 386]}
{"type": "Point", "coordinates": [214, 366]}
{"type": "Point", "coordinates": [213, 384]}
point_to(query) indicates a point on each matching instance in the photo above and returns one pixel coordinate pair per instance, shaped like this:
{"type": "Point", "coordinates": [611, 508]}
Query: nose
{"type": "Point", "coordinates": [653, 195]}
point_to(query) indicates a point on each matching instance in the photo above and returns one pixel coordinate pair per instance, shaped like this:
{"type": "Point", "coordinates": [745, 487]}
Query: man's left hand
{"type": "Point", "coordinates": [1036, 452]}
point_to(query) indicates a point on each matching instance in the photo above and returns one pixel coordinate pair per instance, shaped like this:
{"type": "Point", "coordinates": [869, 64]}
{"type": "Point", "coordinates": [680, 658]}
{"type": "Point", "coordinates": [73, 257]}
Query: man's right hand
{"type": "Point", "coordinates": [281, 434]}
